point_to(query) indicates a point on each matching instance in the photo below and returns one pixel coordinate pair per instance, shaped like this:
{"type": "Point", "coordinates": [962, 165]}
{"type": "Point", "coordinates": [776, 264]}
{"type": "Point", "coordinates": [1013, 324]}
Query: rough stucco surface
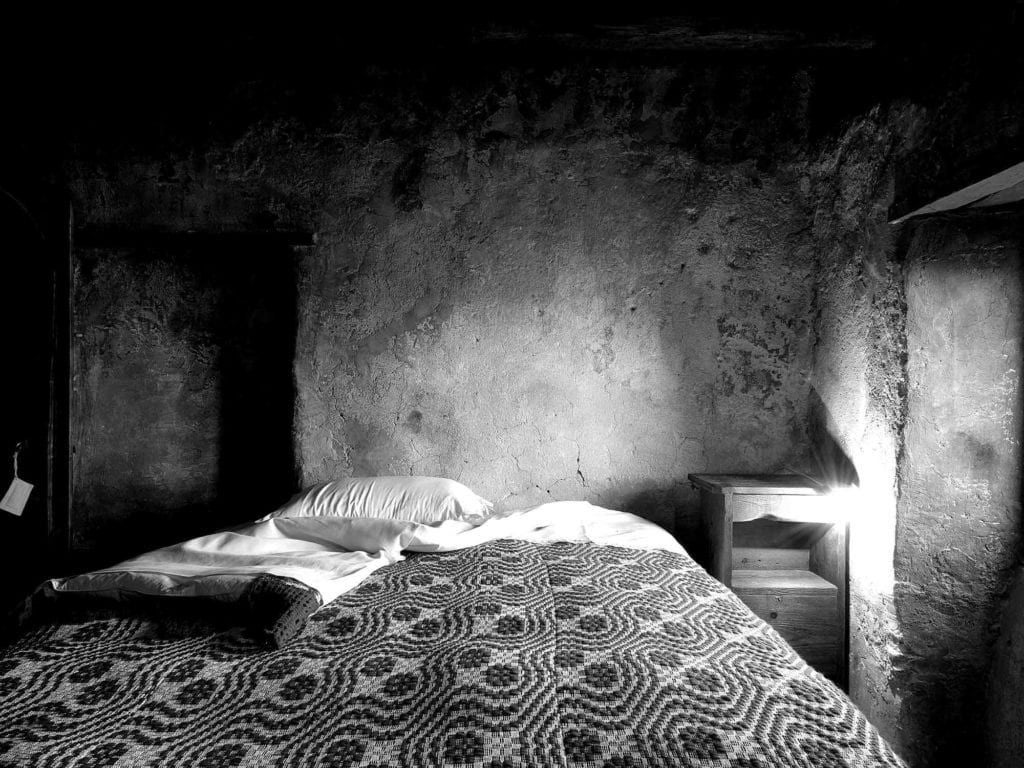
{"type": "Point", "coordinates": [576, 283]}
{"type": "Point", "coordinates": [858, 373]}
{"type": "Point", "coordinates": [591, 322]}
{"type": "Point", "coordinates": [960, 509]}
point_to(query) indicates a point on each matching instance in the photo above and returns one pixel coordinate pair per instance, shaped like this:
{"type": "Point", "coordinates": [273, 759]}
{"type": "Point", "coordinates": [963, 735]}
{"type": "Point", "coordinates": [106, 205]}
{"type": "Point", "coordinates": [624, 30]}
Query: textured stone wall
{"type": "Point", "coordinates": [579, 282]}
{"type": "Point", "coordinates": [959, 533]}
{"type": "Point", "coordinates": [858, 378]}
{"type": "Point", "coordinates": [550, 307]}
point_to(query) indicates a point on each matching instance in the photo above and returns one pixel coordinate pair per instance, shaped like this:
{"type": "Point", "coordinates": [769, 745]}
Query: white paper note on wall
{"type": "Point", "coordinates": [16, 497]}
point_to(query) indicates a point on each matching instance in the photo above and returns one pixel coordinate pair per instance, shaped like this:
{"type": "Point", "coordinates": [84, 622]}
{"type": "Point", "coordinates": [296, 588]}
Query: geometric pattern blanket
{"type": "Point", "coordinates": [506, 654]}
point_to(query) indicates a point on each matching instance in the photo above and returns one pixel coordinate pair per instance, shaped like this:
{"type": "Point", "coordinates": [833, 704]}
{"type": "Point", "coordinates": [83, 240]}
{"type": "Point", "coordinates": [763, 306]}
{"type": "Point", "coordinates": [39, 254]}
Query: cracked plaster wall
{"type": "Point", "coordinates": [590, 322]}
{"type": "Point", "coordinates": [569, 283]}
{"type": "Point", "coordinates": [959, 533]}
{"type": "Point", "coordinates": [858, 376]}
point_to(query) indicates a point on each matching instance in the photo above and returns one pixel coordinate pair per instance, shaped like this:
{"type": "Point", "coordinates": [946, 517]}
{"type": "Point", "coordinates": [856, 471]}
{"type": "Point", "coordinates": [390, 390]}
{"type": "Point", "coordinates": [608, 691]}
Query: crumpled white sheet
{"type": "Point", "coordinates": [334, 554]}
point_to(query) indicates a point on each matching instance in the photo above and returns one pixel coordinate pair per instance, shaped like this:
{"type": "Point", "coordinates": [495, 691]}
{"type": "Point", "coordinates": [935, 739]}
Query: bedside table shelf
{"type": "Point", "coordinates": [773, 541]}
{"type": "Point", "coordinates": [785, 582]}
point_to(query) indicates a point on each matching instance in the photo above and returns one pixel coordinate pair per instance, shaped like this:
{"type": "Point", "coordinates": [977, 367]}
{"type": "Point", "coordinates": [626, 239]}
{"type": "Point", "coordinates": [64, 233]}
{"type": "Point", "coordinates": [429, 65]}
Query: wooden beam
{"type": "Point", "coordinates": [1004, 188]}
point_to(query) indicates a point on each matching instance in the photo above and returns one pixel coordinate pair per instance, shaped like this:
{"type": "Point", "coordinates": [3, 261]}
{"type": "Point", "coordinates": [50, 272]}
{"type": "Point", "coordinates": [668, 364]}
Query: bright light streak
{"type": "Point", "coordinates": [845, 503]}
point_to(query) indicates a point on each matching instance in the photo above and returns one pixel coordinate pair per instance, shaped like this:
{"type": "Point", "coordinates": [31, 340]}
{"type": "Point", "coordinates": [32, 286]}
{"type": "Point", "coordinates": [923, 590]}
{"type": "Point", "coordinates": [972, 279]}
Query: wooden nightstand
{"type": "Point", "coordinates": [776, 542]}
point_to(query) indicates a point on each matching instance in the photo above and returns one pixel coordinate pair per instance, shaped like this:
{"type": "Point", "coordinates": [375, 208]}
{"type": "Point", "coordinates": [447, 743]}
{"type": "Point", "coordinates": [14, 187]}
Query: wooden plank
{"type": "Point", "coordinates": [790, 508]}
{"type": "Point", "coordinates": [828, 558]}
{"type": "Point", "coordinates": [809, 619]}
{"type": "Point", "coordinates": [782, 582]}
{"type": "Point", "coordinates": [806, 622]}
{"type": "Point", "coordinates": [718, 524]}
{"type": "Point", "coordinates": [1008, 196]}
{"type": "Point", "coordinates": [975, 194]}
{"type": "Point", "coordinates": [795, 485]}
{"type": "Point", "coordinates": [770, 558]}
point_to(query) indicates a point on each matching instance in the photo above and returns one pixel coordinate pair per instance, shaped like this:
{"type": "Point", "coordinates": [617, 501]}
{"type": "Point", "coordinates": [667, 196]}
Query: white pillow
{"type": "Point", "coordinates": [419, 499]}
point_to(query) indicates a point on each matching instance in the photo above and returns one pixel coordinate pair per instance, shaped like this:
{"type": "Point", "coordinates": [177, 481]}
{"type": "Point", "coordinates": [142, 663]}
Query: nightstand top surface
{"type": "Point", "coordinates": [780, 485]}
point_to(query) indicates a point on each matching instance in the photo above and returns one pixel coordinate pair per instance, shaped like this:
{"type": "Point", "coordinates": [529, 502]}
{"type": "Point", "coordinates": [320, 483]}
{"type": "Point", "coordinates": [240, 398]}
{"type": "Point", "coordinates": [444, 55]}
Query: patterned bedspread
{"type": "Point", "coordinates": [506, 654]}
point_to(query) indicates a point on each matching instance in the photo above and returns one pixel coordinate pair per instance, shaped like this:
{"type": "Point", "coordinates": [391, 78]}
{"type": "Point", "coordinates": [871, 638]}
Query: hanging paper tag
{"type": "Point", "coordinates": [16, 497]}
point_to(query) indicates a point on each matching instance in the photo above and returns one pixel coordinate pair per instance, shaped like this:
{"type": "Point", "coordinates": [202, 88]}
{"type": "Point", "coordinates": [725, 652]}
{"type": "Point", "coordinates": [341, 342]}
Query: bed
{"type": "Point", "coordinates": [569, 646]}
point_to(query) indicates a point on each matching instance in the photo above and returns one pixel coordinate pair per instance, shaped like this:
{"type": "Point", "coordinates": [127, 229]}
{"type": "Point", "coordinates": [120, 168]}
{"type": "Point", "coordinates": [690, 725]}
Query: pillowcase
{"type": "Point", "coordinates": [419, 499]}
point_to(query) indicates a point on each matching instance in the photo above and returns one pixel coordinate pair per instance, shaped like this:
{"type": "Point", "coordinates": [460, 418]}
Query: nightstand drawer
{"type": "Point", "coordinates": [800, 606]}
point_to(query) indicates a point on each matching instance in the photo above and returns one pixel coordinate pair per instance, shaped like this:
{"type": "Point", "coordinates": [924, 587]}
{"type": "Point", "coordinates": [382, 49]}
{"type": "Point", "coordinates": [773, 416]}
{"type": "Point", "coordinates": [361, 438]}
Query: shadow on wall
{"type": "Point", "coordinates": [669, 505]}
{"type": "Point", "coordinates": [1006, 684]}
{"type": "Point", "coordinates": [256, 461]}
{"type": "Point", "coordinates": [831, 463]}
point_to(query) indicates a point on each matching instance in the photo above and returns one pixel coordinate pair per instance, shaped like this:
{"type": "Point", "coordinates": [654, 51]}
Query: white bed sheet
{"type": "Point", "coordinates": [333, 555]}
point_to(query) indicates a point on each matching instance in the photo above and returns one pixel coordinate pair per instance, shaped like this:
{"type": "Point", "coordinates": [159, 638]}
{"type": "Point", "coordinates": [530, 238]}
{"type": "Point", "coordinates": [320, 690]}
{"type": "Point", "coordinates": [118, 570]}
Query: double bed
{"type": "Point", "coordinates": [596, 641]}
